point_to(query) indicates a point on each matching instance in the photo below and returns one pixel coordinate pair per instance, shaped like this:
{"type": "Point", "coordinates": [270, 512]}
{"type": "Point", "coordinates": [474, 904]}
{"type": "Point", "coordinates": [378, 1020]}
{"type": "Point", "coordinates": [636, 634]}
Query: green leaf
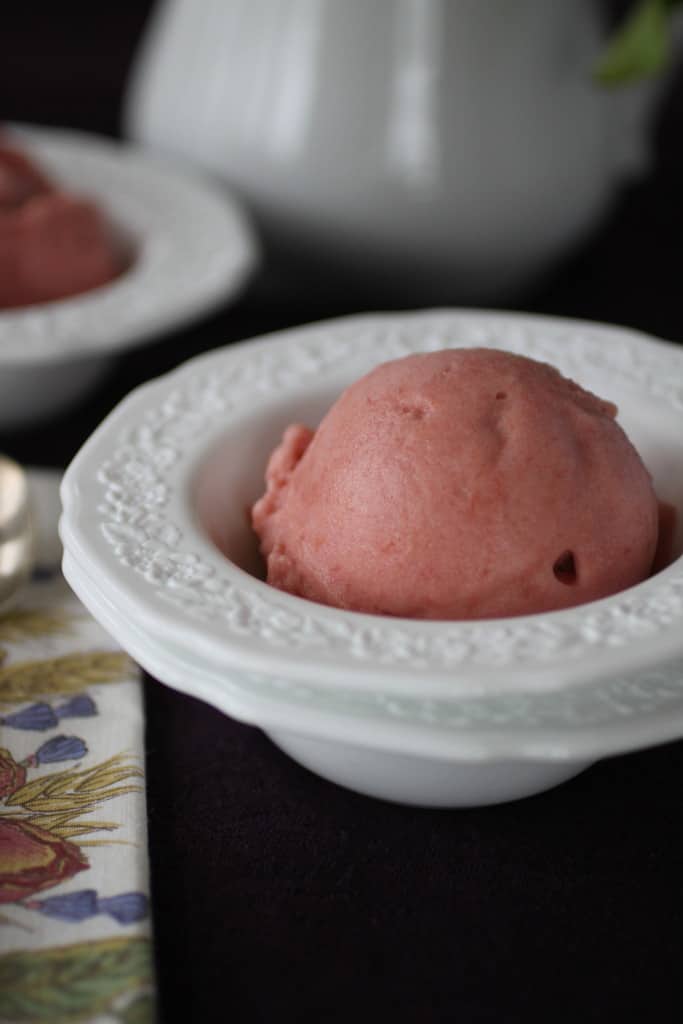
{"type": "Point", "coordinates": [141, 1011]}
{"type": "Point", "coordinates": [641, 47]}
{"type": "Point", "coordinates": [67, 984]}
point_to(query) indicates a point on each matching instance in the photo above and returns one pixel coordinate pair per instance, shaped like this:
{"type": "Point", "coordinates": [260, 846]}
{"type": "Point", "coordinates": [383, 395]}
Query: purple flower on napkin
{"type": "Point", "coordinates": [42, 716]}
{"type": "Point", "coordinates": [80, 706]}
{"type": "Point", "coordinates": [126, 908]}
{"type": "Point", "coordinates": [38, 717]}
{"type": "Point", "coordinates": [61, 748]}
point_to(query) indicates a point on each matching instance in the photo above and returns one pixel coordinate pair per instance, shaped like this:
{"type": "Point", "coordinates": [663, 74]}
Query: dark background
{"type": "Point", "coordinates": [280, 897]}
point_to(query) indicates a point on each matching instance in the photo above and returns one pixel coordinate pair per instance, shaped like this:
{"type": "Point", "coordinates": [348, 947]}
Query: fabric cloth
{"type": "Point", "coordinates": [74, 907]}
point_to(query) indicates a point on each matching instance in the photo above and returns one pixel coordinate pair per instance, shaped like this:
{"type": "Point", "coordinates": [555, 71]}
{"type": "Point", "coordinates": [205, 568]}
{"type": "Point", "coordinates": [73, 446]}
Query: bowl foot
{"type": "Point", "coordinates": [420, 781]}
{"type": "Point", "coordinates": [32, 393]}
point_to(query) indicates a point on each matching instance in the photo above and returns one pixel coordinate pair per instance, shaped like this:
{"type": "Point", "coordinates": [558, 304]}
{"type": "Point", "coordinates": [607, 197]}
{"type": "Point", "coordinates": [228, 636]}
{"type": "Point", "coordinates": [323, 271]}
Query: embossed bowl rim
{"type": "Point", "coordinates": [194, 248]}
{"type": "Point", "coordinates": [129, 526]}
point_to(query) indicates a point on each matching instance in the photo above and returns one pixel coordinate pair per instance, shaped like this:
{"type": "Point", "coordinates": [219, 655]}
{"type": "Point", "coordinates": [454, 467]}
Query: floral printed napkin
{"type": "Point", "coordinates": [74, 912]}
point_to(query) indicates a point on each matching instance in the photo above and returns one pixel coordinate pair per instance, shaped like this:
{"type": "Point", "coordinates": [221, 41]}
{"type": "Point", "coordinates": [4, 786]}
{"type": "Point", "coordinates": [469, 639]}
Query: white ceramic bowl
{"type": "Point", "coordinates": [432, 713]}
{"type": "Point", "coordinates": [192, 248]}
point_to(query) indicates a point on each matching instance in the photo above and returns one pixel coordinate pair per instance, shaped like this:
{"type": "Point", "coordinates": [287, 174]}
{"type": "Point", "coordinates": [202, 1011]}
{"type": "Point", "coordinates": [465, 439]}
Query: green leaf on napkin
{"type": "Point", "coordinates": [73, 983]}
{"type": "Point", "coordinates": [142, 1011]}
{"type": "Point", "coordinates": [641, 47]}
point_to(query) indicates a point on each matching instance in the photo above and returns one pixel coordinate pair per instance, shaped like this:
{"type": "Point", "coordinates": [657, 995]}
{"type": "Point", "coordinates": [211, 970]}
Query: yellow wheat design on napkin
{"type": "Point", "coordinates": [56, 801]}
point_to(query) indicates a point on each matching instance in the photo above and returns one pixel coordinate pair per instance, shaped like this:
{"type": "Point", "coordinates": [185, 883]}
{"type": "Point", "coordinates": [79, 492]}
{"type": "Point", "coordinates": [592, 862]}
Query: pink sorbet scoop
{"type": "Point", "coordinates": [460, 484]}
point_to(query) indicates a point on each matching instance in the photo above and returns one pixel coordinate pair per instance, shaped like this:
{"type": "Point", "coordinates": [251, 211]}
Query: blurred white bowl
{"type": "Point", "coordinates": [157, 545]}
{"type": "Point", "coordinates": [192, 249]}
{"type": "Point", "coordinates": [440, 143]}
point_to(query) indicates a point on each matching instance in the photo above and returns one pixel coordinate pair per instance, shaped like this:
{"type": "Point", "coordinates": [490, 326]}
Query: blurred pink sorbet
{"type": "Point", "coordinates": [52, 244]}
{"type": "Point", "coordinates": [460, 484]}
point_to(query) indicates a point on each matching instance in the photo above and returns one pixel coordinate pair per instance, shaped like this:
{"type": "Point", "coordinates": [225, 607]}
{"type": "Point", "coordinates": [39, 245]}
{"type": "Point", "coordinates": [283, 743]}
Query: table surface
{"type": "Point", "coordinates": [279, 896]}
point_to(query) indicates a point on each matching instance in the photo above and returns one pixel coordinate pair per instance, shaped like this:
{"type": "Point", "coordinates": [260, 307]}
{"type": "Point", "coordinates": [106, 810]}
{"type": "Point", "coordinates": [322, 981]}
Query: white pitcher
{"type": "Point", "coordinates": [458, 143]}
